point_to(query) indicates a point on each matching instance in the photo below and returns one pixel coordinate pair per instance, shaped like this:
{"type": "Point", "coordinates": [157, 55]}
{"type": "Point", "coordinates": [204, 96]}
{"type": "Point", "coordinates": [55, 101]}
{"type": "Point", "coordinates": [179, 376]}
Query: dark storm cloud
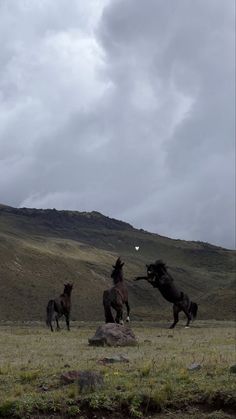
{"type": "Point", "coordinates": [125, 107]}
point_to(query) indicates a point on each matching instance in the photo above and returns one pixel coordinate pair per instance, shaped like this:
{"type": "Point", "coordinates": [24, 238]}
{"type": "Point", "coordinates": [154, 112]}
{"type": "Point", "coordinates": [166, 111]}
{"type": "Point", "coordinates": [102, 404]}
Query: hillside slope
{"type": "Point", "coordinates": [41, 249]}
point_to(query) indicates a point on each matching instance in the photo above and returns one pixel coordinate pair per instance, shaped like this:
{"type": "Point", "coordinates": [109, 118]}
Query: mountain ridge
{"type": "Point", "coordinates": [40, 249]}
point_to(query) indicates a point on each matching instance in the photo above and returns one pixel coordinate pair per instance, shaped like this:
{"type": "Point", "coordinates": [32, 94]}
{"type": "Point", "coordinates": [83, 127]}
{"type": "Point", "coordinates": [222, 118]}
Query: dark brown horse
{"type": "Point", "coordinates": [60, 307]}
{"type": "Point", "coordinates": [116, 296]}
{"type": "Point", "coordinates": [158, 277]}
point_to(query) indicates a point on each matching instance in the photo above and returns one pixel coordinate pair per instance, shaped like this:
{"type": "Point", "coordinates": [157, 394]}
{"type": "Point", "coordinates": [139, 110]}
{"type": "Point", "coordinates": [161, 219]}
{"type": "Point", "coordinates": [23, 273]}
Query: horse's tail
{"type": "Point", "coordinates": [50, 310]}
{"type": "Point", "coordinates": [193, 309]}
{"type": "Point", "coordinates": [107, 307]}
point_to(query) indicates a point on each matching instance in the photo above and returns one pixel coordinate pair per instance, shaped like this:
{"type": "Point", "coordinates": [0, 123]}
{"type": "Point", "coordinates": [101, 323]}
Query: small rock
{"type": "Point", "coordinates": [194, 367]}
{"type": "Point", "coordinates": [113, 359]}
{"type": "Point", "coordinates": [70, 377]}
{"type": "Point", "coordinates": [44, 388]}
{"type": "Point", "coordinates": [233, 369]}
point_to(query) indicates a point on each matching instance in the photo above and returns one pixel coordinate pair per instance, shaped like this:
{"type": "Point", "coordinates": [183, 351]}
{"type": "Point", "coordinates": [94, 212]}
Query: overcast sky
{"type": "Point", "coordinates": [124, 107]}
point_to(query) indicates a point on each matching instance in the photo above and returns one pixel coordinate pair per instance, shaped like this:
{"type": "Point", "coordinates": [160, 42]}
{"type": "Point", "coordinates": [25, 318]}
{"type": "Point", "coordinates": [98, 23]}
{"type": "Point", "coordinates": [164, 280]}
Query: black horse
{"type": "Point", "coordinates": [60, 307]}
{"type": "Point", "coordinates": [158, 277]}
{"type": "Point", "coordinates": [116, 296]}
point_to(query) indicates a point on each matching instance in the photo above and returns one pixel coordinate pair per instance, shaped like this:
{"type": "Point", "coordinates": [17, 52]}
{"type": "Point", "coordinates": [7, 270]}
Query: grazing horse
{"type": "Point", "coordinates": [116, 296]}
{"type": "Point", "coordinates": [60, 307]}
{"type": "Point", "coordinates": [158, 277]}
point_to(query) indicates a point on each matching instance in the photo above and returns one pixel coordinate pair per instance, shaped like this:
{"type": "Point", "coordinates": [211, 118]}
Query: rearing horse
{"type": "Point", "coordinates": [60, 307]}
{"type": "Point", "coordinates": [116, 296]}
{"type": "Point", "coordinates": [158, 277]}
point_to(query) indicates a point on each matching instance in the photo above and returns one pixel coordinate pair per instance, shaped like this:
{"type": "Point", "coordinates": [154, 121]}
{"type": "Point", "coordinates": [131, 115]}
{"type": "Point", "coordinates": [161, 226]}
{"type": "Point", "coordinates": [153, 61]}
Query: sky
{"type": "Point", "coordinates": [126, 107]}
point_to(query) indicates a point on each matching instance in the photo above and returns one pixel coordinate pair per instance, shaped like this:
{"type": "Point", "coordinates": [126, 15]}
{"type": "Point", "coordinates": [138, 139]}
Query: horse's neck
{"type": "Point", "coordinates": [120, 284]}
{"type": "Point", "coordinates": [164, 277]}
{"type": "Point", "coordinates": [65, 297]}
{"type": "Point", "coordinates": [119, 280]}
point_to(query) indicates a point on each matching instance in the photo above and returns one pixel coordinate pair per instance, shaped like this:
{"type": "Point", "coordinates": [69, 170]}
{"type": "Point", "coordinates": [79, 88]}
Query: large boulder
{"type": "Point", "coordinates": [113, 334]}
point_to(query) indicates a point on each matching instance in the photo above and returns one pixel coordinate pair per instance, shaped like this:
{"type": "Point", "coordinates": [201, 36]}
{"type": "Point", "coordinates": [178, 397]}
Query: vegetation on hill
{"type": "Point", "coordinates": [41, 249]}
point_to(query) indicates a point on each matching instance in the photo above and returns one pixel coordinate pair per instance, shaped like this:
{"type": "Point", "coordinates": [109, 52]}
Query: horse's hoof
{"type": "Point", "coordinates": [186, 327]}
{"type": "Point", "coordinates": [121, 322]}
{"type": "Point", "coordinates": [128, 319]}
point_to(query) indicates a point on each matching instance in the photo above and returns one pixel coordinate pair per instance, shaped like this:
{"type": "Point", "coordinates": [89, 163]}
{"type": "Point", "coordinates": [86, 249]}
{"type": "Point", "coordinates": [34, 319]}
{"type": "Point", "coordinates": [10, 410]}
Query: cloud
{"type": "Point", "coordinates": [122, 107]}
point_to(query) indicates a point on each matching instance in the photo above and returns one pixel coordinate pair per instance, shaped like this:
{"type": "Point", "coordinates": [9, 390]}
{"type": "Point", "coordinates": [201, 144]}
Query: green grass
{"type": "Point", "coordinates": [156, 378]}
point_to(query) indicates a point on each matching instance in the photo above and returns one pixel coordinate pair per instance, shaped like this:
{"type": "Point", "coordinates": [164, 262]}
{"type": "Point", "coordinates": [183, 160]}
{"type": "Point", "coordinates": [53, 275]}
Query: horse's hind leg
{"type": "Point", "coordinates": [176, 311]}
{"type": "Point", "coordinates": [57, 317]}
{"type": "Point", "coordinates": [50, 310]}
{"type": "Point", "coordinates": [107, 307]}
{"type": "Point", "coordinates": [128, 311]}
{"type": "Point", "coordinates": [50, 325]}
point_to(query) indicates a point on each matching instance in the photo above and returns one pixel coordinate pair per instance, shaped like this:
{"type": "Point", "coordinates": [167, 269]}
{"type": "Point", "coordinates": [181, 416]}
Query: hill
{"type": "Point", "coordinates": [41, 249]}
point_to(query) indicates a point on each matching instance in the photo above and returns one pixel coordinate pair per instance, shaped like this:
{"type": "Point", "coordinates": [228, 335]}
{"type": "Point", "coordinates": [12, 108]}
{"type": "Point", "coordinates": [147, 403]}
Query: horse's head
{"type": "Point", "coordinates": [151, 273]}
{"type": "Point", "coordinates": [68, 288]}
{"type": "Point", "coordinates": [117, 273]}
{"type": "Point", "coordinates": [156, 269]}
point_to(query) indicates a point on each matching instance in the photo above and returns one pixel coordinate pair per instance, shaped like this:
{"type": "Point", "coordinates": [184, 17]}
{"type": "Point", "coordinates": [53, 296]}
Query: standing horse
{"type": "Point", "coordinates": [158, 277]}
{"type": "Point", "coordinates": [60, 307]}
{"type": "Point", "coordinates": [116, 296]}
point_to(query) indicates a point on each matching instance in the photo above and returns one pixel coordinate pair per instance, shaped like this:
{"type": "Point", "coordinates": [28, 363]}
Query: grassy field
{"type": "Point", "coordinates": [155, 383]}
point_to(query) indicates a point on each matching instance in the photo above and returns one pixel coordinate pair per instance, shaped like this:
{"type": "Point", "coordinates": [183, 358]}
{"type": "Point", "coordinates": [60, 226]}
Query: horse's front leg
{"type": "Point", "coordinates": [128, 311]}
{"type": "Point", "coordinates": [119, 316]}
{"type": "Point", "coordinates": [67, 321]}
{"type": "Point", "coordinates": [57, 317]}
{"type": "Point", "coordinates": [176, 311]}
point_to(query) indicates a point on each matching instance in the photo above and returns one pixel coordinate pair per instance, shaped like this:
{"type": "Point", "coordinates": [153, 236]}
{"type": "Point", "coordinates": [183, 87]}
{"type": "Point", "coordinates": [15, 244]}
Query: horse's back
{"type": "Point", "coordinates": [117, 294]}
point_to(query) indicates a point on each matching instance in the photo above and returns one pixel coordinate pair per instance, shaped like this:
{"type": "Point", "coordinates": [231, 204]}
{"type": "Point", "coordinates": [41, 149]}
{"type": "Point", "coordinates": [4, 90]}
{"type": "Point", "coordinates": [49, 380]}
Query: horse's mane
{"type": "Point", "coordinates": [117, 273]}
{"type": "Point", "coordinates": [67, 289]}
{"type": "Point", "coordinates": [160, 264]}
